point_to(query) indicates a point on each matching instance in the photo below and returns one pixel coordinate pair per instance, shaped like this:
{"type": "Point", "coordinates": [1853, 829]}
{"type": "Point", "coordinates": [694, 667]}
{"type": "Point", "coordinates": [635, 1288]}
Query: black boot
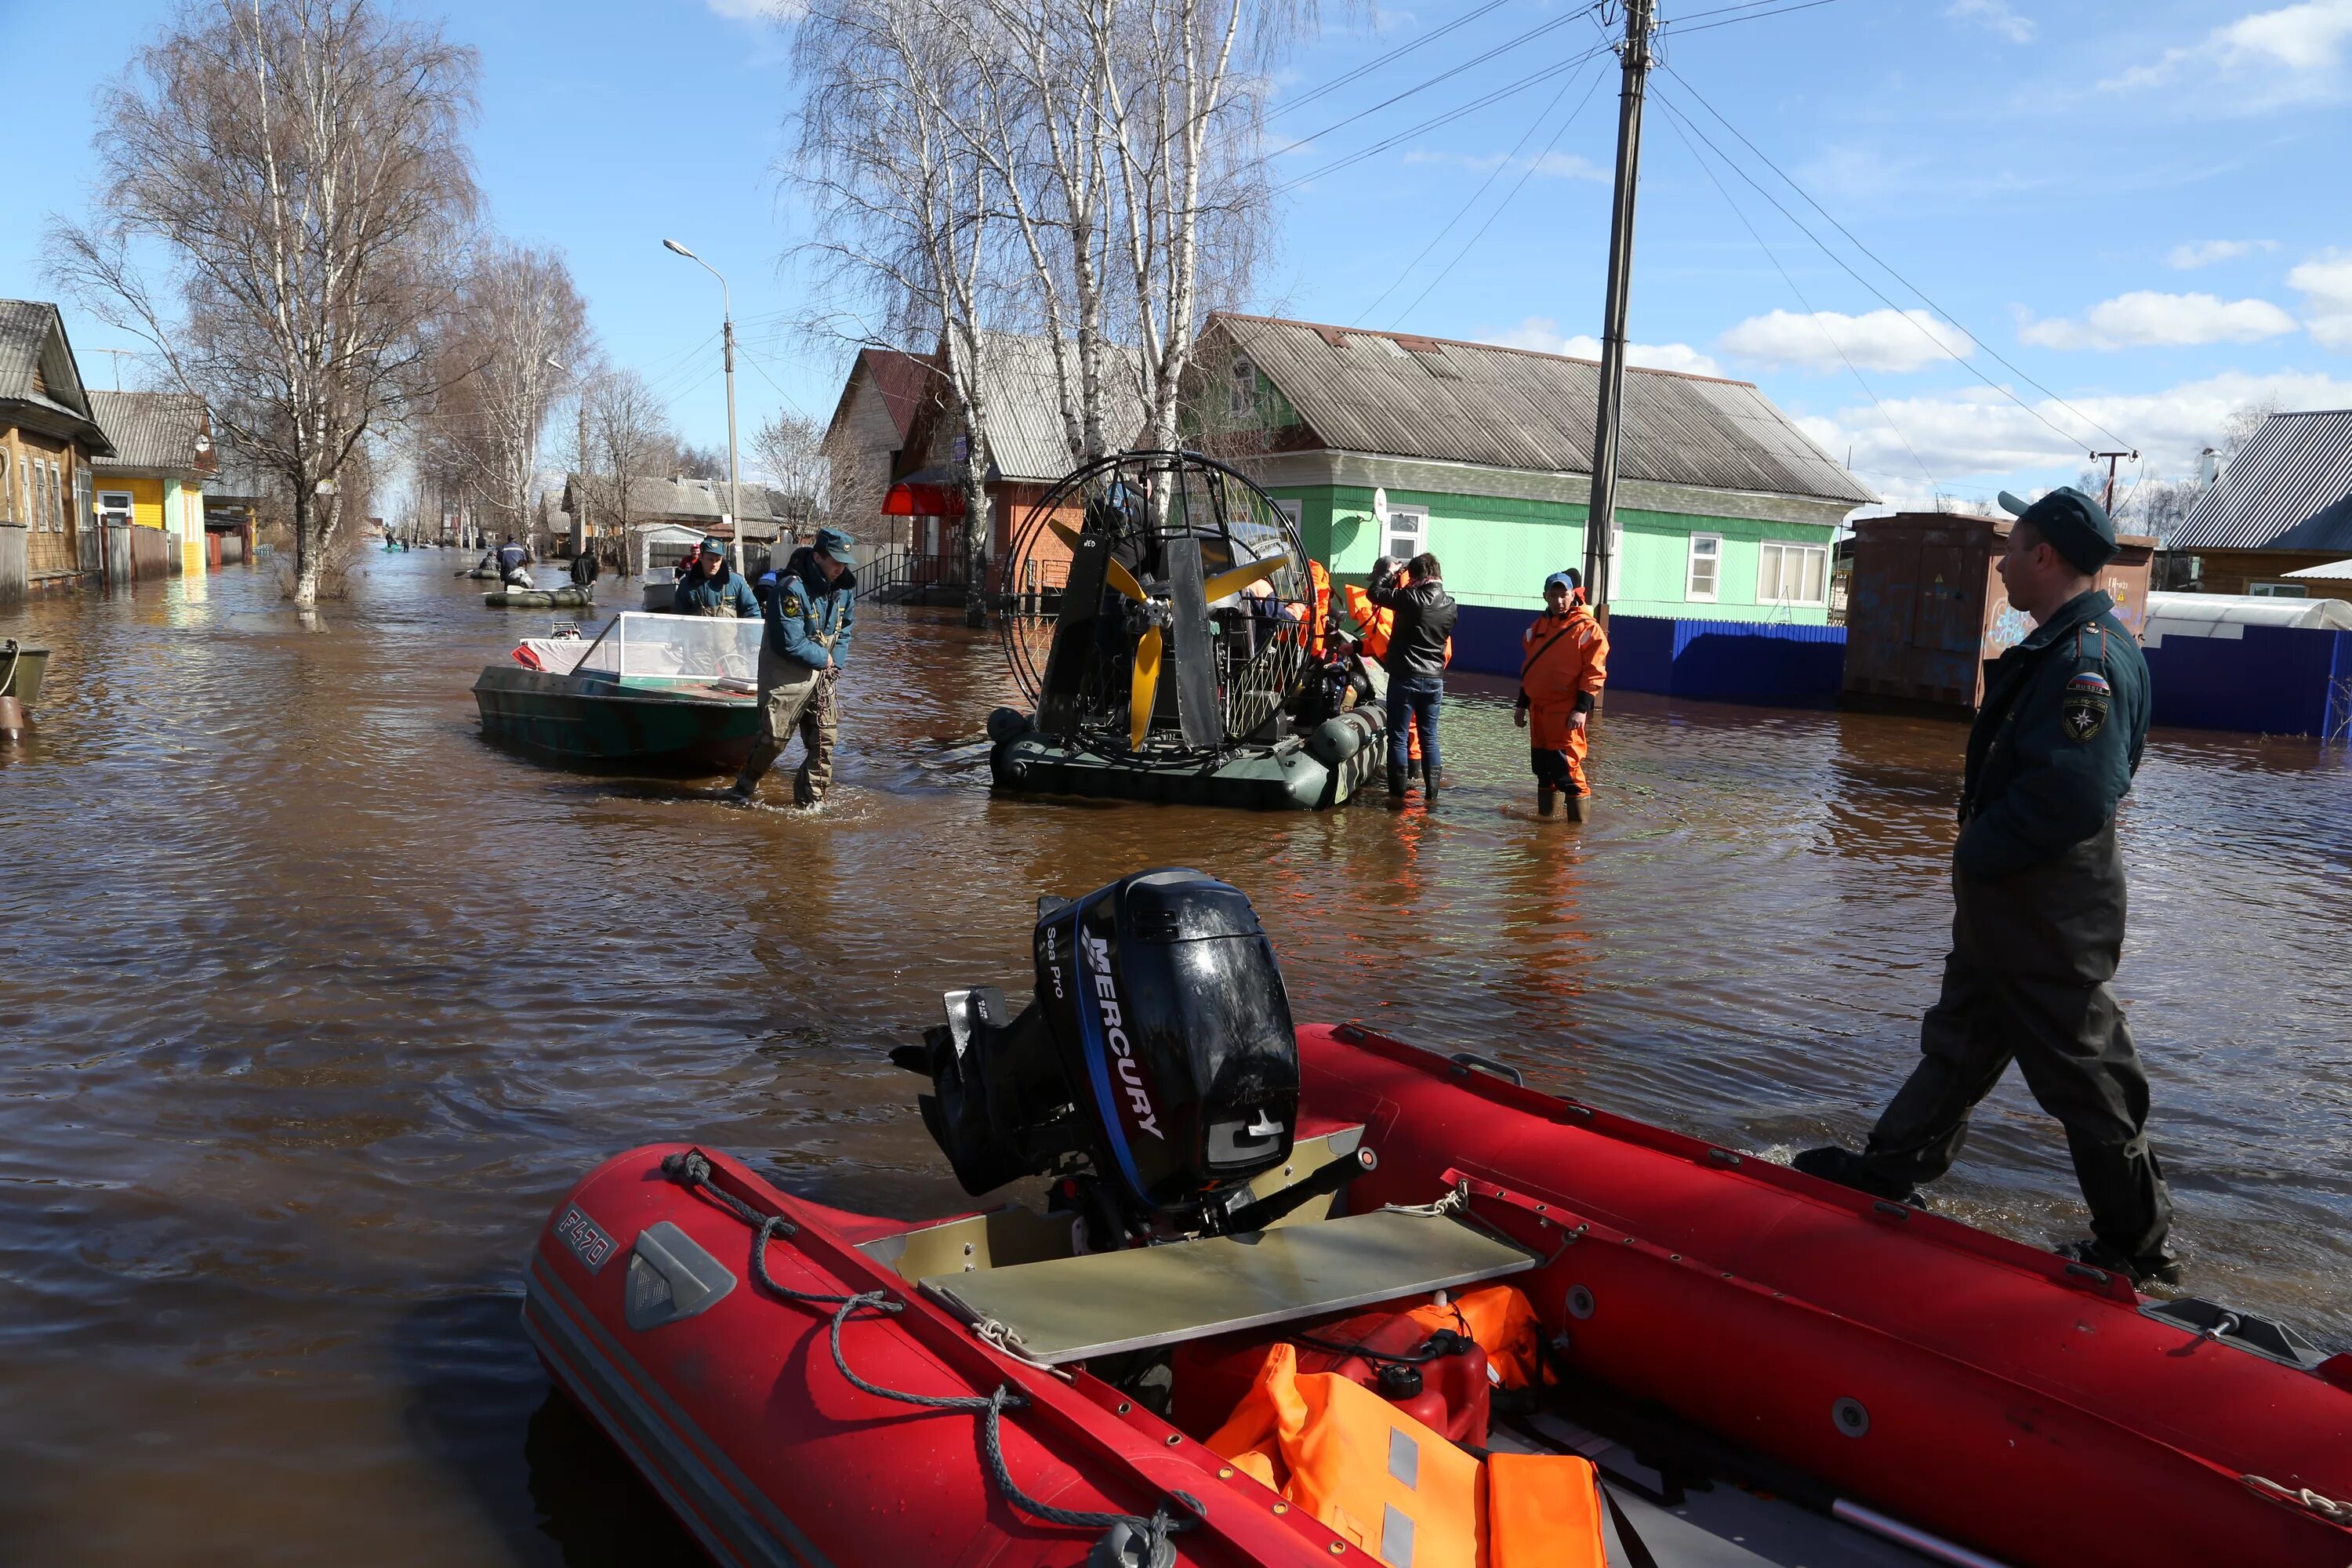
{"type": "Point", "coordinates": [1396, 782]}
{"type": "Point", "coordinates": [2155, 1268]}
{"type": "Point", "coordinates": [1429, 782]}
{"type": "Point", "coordinates": [1848, 1169]}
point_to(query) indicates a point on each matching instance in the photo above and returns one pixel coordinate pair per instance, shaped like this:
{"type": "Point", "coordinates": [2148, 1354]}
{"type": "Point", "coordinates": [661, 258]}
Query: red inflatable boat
{"type": "Point", "coordinates": [1765, 1368]}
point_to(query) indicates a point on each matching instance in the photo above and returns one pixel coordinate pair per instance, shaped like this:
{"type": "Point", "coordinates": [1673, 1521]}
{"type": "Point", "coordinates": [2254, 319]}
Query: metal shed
{"type": "Point", "coordinates": [1928, 612]}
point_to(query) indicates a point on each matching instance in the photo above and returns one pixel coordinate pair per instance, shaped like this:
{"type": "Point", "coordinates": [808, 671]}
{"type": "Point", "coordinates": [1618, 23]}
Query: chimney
{"type": "Point", "coordinates": [2208, 467]}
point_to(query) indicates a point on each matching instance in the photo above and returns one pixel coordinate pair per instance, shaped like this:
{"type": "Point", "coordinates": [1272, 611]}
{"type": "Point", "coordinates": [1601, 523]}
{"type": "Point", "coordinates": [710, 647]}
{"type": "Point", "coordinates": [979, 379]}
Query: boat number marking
{"type": "Point", "coordinates": [586, 1239]}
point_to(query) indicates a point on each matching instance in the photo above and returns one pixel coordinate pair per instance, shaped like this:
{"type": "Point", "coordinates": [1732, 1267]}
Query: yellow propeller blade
{"type": "Point", "coordinates": [1241, 577]}
{"type": "Point", "coordinates": [1119, 576]}
{"type": "Point", "coordinates": [1145, 689]}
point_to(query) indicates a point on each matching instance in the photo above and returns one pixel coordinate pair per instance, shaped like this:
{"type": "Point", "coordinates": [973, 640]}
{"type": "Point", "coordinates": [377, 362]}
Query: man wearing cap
{"type": "Point", "coordinates": [2038, 895]}
{"type": "Point", "coordinates": [711, 587]}
{"type": "Point", "coordinates": [1563, 663]}
{"type": "Point", "coordinates": [810, 614]}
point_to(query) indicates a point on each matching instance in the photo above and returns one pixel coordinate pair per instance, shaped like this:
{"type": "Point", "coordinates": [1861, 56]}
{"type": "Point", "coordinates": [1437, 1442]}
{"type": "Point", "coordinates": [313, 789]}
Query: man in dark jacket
{"type": "Point", "coordinates": [2038, 896]}
{"type": "Point", "coordinates": [711, 587]}
{"type": "Point", "coordinates": [514, 563]}
{"type": "Point", "coordinates": [1424, 613]}
{"type": "Point", "coordinates": [811, 612]}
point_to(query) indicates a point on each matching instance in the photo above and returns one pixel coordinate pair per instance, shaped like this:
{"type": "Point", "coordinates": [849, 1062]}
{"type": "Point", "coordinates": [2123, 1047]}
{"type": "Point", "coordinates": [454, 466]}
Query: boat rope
{"type": "Point", "coordinates": [2326, 1508]}
{"type": "Point", "coordinates": [691, 1170]}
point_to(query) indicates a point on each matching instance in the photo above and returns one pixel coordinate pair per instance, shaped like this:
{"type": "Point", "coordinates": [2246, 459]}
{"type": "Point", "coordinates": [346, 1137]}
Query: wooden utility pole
{"type": "Point", "coordinates": [582, 538]}
{"type": "Point", "coordinates": [2111, 456]}
{"type": "Point", "coordinates": [1600, 515]}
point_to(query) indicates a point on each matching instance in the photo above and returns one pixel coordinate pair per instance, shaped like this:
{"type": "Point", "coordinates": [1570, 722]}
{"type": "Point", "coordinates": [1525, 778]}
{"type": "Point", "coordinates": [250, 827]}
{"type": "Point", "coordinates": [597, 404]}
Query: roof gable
{"type": "Point", "coordinates": [37, 364]}
{"type": "Point", "coordinates": [1402, 395]}
{"type": "Point", "coordinates": [167, 430]}
{"type": "Point", "coordinates": [901, 380]}
{"type": "Point", "coordinates": [2290, 479]}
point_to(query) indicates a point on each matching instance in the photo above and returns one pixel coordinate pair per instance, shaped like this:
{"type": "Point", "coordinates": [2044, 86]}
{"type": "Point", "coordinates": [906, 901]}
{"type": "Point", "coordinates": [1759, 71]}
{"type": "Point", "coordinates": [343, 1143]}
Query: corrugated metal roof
{"type": "Point", "coordinates": [1512, 408]}
{"type": "Point", "coordinates": [33, 336]}
{"type": "Point", "coordinates": [25, 326]}
{"type": "Point", "coordinates": [2293, 469]}
{"type": "Point", "coordinates": [1026, 437]}
{"type": "Point", "coordinates": [153, 429]}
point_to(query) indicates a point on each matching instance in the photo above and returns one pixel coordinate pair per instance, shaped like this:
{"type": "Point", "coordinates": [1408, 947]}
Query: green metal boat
{"type": "Point", "coordinates": [672, 693]}
{"type": "Point", "coordinates": [22, 670]}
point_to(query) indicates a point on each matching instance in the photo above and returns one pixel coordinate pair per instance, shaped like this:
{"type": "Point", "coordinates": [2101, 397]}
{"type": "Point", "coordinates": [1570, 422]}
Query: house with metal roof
{"type": "Point", "coordinates": [155, 480]}
{"type": "Point", "coordinates": [2281, 506]}
{"type": "Point", "coordinates": [1482, 454]}
{"type": "Point", "coordinates": [49, 435]}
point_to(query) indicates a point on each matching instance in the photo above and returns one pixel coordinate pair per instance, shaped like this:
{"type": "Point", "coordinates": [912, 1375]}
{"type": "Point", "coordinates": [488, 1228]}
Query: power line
{"type": "Point", "coordinates": [1534, 126]}
{"type": "Point", "coordinates": [1678, 121]}
{"type": "Point", "coordinates": [1526, 174]}
{"type": "Point", "coordinates": [1395, 53]}
{"type": "Point", "coordinates": [771, 379]}
{"type": "Point", "coordinates": [1681, 31]}
{"type": "Point", "coordinates": [1504, 48]}
{"type": "Point", "coordinates": [1994, 354]}
{"type": "Point", "coordinates": [1511, 89]}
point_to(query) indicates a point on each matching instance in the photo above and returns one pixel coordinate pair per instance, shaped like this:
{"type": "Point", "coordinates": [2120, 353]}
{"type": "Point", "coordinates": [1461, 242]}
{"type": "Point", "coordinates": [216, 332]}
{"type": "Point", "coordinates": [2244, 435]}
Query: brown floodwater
{"type": "Point", "coordinates": [312, 1002]}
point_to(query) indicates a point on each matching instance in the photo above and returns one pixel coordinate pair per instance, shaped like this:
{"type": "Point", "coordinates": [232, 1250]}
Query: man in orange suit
{"type": "Point", "coordinates": [1563, 663]}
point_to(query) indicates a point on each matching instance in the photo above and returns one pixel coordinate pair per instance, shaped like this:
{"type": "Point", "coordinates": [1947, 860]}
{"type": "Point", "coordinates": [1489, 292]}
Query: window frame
{"type": "Point", "coordinates": [1420, 532]}
{"type": "Point", "coordinates": [1779, 551]}
{"type": "Point", "coordinates": [2278, 589]}
{"type": "Point", "coordinates": [1241, 389]}
{"type": "Point", "coordinates": [1714, 558]}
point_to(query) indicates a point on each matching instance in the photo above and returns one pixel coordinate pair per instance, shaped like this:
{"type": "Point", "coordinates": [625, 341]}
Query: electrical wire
{"type": "Point", "coordinates": [1508, 91]}
{"type": "Point", "coordinates": [1525, 176]}
{"type": "Point", "coordinates": [1534, 126]}
{"type": "Point", "coordinates": [1882, 264]}
{"type": "Point", "coordinates": [771, 379]}
{"type": "Point", "coordinates": [1680, 31]}
{"type": "Point", "coordinates": [1395, 53]}
{"type": "Point", "coordinates": [1504, 48]}
{"type": "Point", "coordinates": [1676, 119]}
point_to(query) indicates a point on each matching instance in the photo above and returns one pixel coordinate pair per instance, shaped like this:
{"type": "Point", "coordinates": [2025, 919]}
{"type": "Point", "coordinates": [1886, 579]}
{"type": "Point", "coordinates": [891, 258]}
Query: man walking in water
{"type": "Point", "coordinates": [810, 615]}
{"type": "Point", "coordinates": [2038, 897]}
{"type": "Point", "coordinates": [1419, 644]}
{"type": "Point", "coordinates": [1563, 663]}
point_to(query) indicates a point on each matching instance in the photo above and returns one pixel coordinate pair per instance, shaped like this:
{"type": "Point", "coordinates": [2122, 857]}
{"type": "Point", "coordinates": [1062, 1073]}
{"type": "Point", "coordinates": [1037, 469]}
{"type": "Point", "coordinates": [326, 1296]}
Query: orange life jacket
{"type": "Point", "coordinates": [1381, 1481]}
{"type": "Point", "coordinates": [1318, 610]}
{"type": "Point", "coordinates": [1373, 624]}
{"type": "Point", "coordinates": [1499, 1321]}
{"type": "Point", "coordinates": [1562, 656]}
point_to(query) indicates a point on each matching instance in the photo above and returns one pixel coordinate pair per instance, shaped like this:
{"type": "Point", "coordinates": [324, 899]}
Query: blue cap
{"type": "Point", "coordinates": [1568, 580]}
{"type": "Point", "coordinates": [838, 545]}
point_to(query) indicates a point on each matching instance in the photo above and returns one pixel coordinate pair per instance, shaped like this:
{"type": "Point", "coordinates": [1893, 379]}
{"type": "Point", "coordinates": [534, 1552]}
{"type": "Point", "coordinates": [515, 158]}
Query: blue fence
{"type": "Point", "coordinates": [1714, 661]}
{"type": "Point", "coordinates": [2275, 680]}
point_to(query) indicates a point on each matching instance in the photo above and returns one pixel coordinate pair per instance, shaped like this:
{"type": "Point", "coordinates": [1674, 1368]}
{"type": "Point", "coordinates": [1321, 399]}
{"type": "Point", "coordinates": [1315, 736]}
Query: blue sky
{"type": "Point", "coordinates": [2142, 207]}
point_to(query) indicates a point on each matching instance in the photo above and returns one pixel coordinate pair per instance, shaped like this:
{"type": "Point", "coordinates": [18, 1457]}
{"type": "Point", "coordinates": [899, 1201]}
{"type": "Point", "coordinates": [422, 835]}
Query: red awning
{"type": "Point", "coordinates": [927, 492]}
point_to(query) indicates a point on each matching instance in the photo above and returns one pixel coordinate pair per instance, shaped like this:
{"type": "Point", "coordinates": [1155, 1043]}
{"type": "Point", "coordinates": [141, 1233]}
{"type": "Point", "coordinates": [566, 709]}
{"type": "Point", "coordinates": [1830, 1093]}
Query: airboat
{"type": "Point", "coordinates": [1158, 620]}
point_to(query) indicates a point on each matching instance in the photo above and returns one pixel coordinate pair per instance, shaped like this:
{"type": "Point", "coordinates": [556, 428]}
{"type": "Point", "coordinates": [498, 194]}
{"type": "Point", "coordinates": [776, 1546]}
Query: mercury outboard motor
{"type": "Point", "coordinates": [1157, 1066]}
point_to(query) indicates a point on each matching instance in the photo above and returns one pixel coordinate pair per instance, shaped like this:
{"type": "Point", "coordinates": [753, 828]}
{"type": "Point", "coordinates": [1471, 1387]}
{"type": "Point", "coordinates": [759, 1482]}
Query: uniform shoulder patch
{"type": "Point", "coordinates": [2090, 680]}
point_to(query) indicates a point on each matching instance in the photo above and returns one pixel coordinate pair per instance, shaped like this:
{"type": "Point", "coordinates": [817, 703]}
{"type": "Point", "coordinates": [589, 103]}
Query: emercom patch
{"type": "Point", "coordinates": [2083, 714]}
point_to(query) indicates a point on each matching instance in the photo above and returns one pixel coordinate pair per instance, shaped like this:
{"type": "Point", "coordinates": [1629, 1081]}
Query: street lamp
{"type": "Point", "coordinates": [734, 481]}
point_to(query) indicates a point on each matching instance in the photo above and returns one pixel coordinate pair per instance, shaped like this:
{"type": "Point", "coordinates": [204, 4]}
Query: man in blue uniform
{"type": "Point", "coordinates": [811, 612]}
{"type": "Point", "coordinates": [514, 563]}
{"type": "Point", "coordinates": [2038, 896]}
{"type": "Point", "coordinates": [711, 587]}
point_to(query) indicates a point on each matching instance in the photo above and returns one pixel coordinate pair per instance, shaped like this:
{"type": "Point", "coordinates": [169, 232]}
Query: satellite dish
{"type": "Point", "coordinates": [1381, 506]}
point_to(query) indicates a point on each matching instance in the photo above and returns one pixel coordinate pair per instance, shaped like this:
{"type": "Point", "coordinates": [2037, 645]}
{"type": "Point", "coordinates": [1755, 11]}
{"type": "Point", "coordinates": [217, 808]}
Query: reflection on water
{"type": "Point", "coordinates": [314, 1001]}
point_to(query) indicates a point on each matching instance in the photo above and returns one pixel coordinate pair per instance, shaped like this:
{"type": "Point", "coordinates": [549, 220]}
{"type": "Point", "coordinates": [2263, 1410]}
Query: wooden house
{"type": "Point", "coordinates": [48, 436]}
{"type": "Point", "coordinates": [155, 484]}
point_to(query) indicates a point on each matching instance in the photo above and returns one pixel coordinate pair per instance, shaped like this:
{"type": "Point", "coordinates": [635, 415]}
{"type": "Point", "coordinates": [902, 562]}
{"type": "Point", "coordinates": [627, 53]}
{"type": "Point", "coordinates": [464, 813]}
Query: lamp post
{"type": "Point", "coordinates": [734, 481]}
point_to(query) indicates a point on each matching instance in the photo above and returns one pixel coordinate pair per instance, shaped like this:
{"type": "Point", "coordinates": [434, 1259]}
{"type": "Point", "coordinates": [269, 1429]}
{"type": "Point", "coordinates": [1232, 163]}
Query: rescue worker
{"type": "Point", "coordinates": [2038, 897]}
{"type": "Point", "coordinates": [1563, 663]}
{"type": "Point", "coordinates": [514, 565]}
{"type": "Point", "coordinates": [585, 567]}
{"type": "Point", "coordinates": [1419, 641]}
{"type": "Point", "coordinates": [810, 615]}
{"type": "Point", "coordinates": [1372, 623]}
{"type": "Point", "coordinates": [712, 587]}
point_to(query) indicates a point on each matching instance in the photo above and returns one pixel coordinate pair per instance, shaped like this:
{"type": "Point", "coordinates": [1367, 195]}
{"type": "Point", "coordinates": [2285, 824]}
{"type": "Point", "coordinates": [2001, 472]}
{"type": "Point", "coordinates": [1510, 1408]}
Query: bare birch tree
{"type": "Point", "coordinates": [630, 432]}
{"type": "Point", "coordinates": [300, 168]}
{"type": "Point", "coordinates": [886, 151]}
{"type": "Point", "coordinates": [521, 325]}
{"type": "Point", "coordinates": [791, 446]}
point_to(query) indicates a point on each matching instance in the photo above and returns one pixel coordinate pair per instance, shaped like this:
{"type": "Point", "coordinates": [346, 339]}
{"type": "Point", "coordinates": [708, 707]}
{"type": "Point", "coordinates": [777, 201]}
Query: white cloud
{"type": "Point", "coordinates": [1994, 15]}
{"type": "Point", "coordinates": [1551, 166]}
{"type": "Point", "coordinates": [1542, 334]}
{"type": "Point", "coordinates": [1876, 339]}
{"type": "Point", "coordinates": [2205, 252]}
{"type": "Point", "coordinates": [1977, 432]}
{"type": "Point", "coordinates": [2327, 286]}
{"type": "Point", "coordinates": [2289, 53]}
{"type": "Point", "coordinates": [2146, 318]}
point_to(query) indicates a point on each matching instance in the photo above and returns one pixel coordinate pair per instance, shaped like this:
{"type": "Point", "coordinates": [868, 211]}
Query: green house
{"type": "Point", "coordinates": [1724, 510]}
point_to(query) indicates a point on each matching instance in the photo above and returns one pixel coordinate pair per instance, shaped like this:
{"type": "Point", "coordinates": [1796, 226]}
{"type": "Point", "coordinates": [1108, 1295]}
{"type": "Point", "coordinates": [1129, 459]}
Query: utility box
{"type": "Point", "coordinates": [1926, 611]}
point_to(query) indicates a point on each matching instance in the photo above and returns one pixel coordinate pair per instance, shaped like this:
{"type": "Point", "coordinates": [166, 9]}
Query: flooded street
{"type": "Point", "coordinates": [313, 1002]}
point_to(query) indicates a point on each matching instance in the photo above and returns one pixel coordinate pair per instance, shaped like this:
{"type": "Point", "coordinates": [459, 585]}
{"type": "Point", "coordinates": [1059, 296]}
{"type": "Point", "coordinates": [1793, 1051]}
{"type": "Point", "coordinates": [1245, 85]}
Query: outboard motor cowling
{"type": "Point", "coordinates": [1159, 1049]}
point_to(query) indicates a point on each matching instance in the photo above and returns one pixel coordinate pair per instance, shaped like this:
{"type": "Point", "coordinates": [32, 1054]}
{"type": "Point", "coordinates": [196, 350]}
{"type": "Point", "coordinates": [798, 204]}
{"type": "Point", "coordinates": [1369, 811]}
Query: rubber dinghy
{"type": "Point", "coordinates": [1764, 1368]}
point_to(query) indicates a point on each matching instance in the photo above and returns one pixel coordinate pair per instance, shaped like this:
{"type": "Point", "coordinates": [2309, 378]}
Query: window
{"type": "Point", "coordinates": [45, 505]}
{"type": "Point", "coordinates": [1408, 532]}
{"type": "Point", "coordinates": [1706, 566]}
{"type": "Point", "coordinates": [2278, 589]}
{"type": "Point", "coordinates": [1296, 513]}
{"type": "Point", "coordinates": [7, 488]}
{"type": "Point", "coordinates": [1791, 574]}
{"type": "Point", "coordinates": [1242, 400]}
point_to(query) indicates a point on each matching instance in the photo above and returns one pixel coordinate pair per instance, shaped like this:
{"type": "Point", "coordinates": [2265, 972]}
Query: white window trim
{"type": "Point", "coordinates": [1690, 570]}
{"type": "Point", "coordinates": [1419, 518]}
{"type": "Point", "coordinates": [1241, 389]}
{"type": "Point", "coordinates": [1785, 546]}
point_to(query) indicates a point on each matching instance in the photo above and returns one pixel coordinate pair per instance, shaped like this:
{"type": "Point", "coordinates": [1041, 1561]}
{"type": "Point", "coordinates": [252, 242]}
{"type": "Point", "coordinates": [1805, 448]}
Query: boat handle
{"type": "Point", "coordinates": [1467, 1060]}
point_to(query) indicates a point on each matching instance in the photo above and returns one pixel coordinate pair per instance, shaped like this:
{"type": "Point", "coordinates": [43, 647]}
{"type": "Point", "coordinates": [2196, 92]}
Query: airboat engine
{"type": "Point", "coordinates": [1156, 1069]}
